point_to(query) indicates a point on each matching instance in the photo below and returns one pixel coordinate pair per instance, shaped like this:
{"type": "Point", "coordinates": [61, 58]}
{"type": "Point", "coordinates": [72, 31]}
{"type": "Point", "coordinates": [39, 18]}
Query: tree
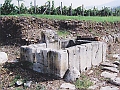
{"type": "Point", "coordinates": [8, 8]}
{"type": "Point", "coordinates": [23, 9]}
{"type": "Point", "coordinates": [31, 9]}
{"type": "Point", "coordinates": [78, 10]}
{"type": "Point", "coordinates": [35, 5]}
{"type": "Point", "coordinates": [19, 5]}
{"type": "Point", "coordinates": [64, 10]}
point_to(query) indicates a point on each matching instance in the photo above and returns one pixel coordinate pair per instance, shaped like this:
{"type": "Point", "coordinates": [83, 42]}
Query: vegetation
{"type": "Point", "coordinates": [7, 9]}
{"type": "Point", "coordinates": [83, 83]}
{"type": "Point", "coordinates": [62, 33]}
{"type": "Point", "coordinates": [63, 17]}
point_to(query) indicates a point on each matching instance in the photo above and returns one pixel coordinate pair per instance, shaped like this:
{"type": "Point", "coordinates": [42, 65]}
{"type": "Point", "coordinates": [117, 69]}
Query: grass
{"type": "Point", "coordinates": [62, 33]}
{"type": "Point", "coordinates": [63, 17]}
{"type": "Point", "coordinates": [83, 83]}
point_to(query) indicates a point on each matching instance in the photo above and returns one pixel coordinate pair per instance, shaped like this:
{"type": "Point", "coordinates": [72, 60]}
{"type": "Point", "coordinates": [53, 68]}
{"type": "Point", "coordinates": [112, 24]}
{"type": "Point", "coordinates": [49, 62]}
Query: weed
{"type": "Point", "coordinates": [83, 83]}
{"type": "Point", "coordinates": [19, 89]}
{"type": "Point", "coordinates": [40, 87]}
{"type": "Point", "coordinates": [17, 77]}
{"type": "Point", "coordinates": [90, 30]}
{"type": "Point", "coordinates": [63, 33]}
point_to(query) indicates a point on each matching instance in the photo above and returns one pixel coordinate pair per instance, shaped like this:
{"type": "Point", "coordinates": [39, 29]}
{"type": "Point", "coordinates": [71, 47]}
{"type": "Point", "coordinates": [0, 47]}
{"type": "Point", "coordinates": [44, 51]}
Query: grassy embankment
{"type": "Point", "coordinates": [86, 18]}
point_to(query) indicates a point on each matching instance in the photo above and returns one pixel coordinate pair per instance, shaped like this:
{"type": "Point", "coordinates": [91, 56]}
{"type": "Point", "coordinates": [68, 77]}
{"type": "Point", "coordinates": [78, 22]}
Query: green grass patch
{"type": "Point", "coordinates": [83, 83]}
{"type": "Point", "coordinates": [63, 17]}
{"type": "Point", "coordinates": [62, 33]}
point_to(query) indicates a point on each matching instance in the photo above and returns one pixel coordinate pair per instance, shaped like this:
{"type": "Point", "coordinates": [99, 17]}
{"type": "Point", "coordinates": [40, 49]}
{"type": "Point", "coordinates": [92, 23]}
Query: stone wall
{"type": "Point", "coordinates": [70, 53]}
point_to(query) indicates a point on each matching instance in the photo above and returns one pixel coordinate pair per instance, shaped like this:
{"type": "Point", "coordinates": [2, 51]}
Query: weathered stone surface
{"type": "Point", "coordinates": [49, 36]}
{"type": "Point", "coordinates": [82, 58]}
{"type": "Point", "coordinates": [54, 45]}
{"type": "Point", "coordinates": [66, 43]}
{"type": "Point", "coordinates": [45, 59]}
{"type": "Point", "coordinates": [58, 62]}
{"type": "Point", "coordinates": [96, 53]}
{"type": "Point", "coordinates": [28, 84]}
{"type": "Point", "coordinates": [117, 56]}
{"type": "Point", "coordinates": [19, 83]}
{"type": "Point", "coordinates": [117, 62]}
{"type": "Point", "coordinates": [104, 51]}
{"type": "Point", "coordinates": [89, 56]}
{"type": "Point", "coordinates": [108, 74]}
{"type": "Point", "coordinates": [108, 64]}
{"type": "Point", "coordinates": [110, 38]}
{"type": "Point", "coordinates": [117, 37]}
{"type": "Point", "coordinates": [112, 69]}
{"type": "Point", "coordinates": [27, 53]}
{"type": "Point", "coordinates": [56, 57]}
{"type": "Point", "coordinates": [72, 74]}
{"type": "Point", "coordinates": [90, 72]}
{"type": "Point", "coordinates": [73, 59]}
{"type": "Point", "coordinates": [109, 88]}
{"type": "Point", "coordinates": [67, 86]}
{"type": "Point", "coordinates": [3, 57]}
{"type": "Point", "coordinates": [115, 81]}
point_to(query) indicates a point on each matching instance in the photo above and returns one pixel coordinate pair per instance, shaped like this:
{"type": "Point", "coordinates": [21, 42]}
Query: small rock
{"type": "Point", "coordinates": [115, 81]}
{"type": "Point", "coordinates": [72, 75]}
{"type": "Point", "coordinates": [67, 86]}
{"type": "Point", "coordinates": [116, 62]}
{"type": "Point", "coordinates": [117, 56]}
{"type": "Point", "coordinates": [112, 69]}
{"type": "Point", "coordinates": [19, 82]}
{"type": "Point", "coordinates": [90, 72]}
{"type": "Point", "coordinates": [28, 83]}
{"type": "Point", "coordinates": [118, 37]}
{"type": "Point", "coordinates": [109, 88]}
{"type": "Point", "coordinates": [3, 57]}
{"type": "Point", "coordinates": [108, 64]}
{"type": "Point", "coordinates": [108, 75]}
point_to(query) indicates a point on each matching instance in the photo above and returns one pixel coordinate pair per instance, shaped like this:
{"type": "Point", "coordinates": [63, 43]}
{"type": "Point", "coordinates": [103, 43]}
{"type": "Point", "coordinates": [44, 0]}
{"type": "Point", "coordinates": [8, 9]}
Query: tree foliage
{"type": "Point", "coordinates": [49, 8]}
{"type": "Point", "coordinates": [8, 8]}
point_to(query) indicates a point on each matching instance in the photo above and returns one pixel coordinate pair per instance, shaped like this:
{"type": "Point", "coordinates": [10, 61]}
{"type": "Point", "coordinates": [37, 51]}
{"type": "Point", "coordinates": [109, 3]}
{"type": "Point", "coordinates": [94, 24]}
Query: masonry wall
{"type": "Point", "coordinates": [58, 61]}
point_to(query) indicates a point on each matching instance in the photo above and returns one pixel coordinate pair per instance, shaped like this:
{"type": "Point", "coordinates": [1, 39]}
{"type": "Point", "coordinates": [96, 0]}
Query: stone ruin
{"type": "Point", "coordinates": [55, 56]}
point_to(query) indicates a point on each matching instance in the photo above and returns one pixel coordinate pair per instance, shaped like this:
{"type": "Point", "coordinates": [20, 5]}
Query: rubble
{"type": "Point", "coordinates": [3, 57]}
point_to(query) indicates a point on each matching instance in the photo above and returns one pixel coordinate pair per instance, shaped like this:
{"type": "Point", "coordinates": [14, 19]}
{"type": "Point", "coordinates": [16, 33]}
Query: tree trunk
{"type": "Point", "coordinates": [19, 6]}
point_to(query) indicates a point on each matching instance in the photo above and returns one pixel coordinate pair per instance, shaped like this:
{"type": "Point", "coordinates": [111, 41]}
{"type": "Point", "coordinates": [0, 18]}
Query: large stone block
{"type": "Point", "coordinates": [57, 62]}
{"type": "Point", "coordinates": [54, 45]}
{"type": "Point", "coordinates": [104, 51]}
{"type": "Point", "coordinates": [73, 57]}
{"type": "Point", "coordinates": [96, 53]}
{"type": "Point", "coordinates": [82, 58]}
{"type": "Point", "coordinates": [41, 57]}
{"type": "Point", "coordinates": [49, 36]}
{"type": "Point", "coordinates": [88, 55]}
{"type": "Point", "coordinates": [28, 52]}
